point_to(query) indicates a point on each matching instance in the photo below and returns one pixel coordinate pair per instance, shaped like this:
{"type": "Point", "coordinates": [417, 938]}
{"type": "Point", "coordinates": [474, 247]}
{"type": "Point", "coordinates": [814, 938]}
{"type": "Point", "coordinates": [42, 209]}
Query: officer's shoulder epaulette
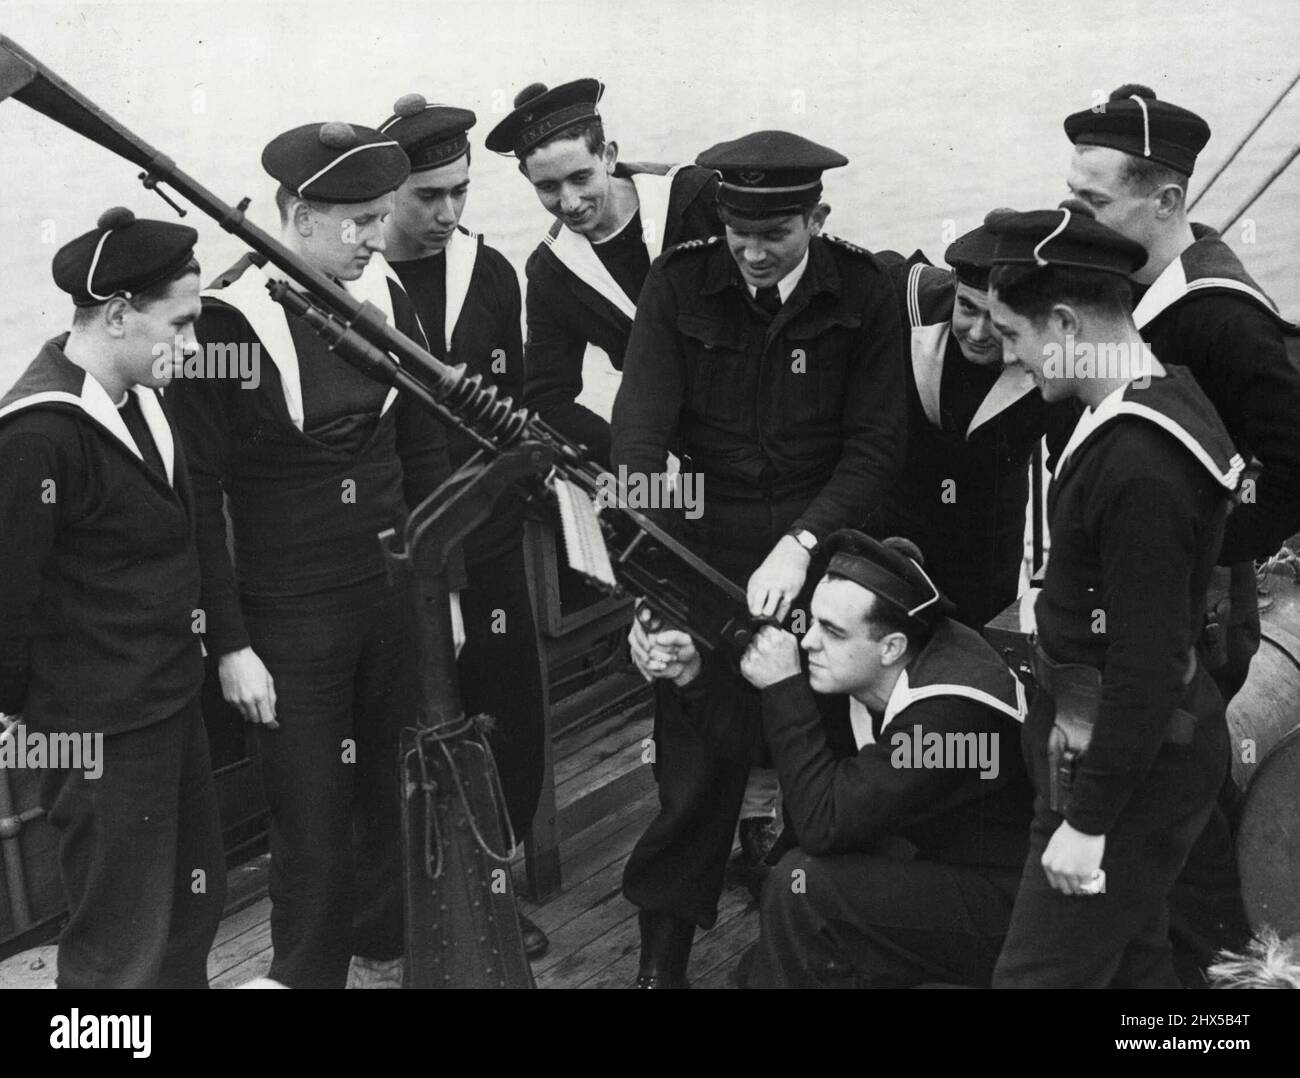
{"type": "Point", "coordinates": [847, 246]}
{"type": "Point", "coordinates": [700, 244]}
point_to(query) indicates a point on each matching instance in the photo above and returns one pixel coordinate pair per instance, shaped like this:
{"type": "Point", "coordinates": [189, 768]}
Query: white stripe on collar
{"type": "Point", "coordinates": [913, 294]}
{"type": "Point", "coordinates": [1114, 405]}
{"type": "Point", "coordinates": [1089, 421]}
{"type": "Point", "coordinates": [904, 696]}
{"type": "Point", "coordinates": [1172, 285]}
{"type": "Point", "coordinates": [94, 401]}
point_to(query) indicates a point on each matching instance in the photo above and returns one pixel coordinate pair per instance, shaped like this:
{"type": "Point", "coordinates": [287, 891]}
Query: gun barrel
{"type": "Point", "coordinates": [28, 80]}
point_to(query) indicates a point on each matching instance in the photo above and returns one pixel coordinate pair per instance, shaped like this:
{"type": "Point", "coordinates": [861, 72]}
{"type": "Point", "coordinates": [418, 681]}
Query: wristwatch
{"type": "Point", "coordinates": [804, 538]}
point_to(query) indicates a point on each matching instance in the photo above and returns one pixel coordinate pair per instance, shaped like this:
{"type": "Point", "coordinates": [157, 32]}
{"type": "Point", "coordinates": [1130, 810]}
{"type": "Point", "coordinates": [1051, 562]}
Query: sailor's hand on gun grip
{"type": "Point", "coordinates": [665, 654]}
{"type": "Point", "coordinates": [457, 623]}
{"type": "Point", "coordinates": [772, 656]}
{"type": "Point", "coordinates": [247, 684]}
{"type": "Point", "coordinates": [777, 582]}
{"type": "Point", "coordinates": [1072, 861]}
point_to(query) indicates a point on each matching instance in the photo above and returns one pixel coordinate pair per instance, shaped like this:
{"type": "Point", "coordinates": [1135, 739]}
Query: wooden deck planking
{"type": "Point", "coordinates": [592, 927]}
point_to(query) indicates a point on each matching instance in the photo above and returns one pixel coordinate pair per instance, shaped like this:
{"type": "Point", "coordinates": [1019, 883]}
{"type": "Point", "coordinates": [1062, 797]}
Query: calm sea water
{"type": "Point", "coordinates": [945, 111]}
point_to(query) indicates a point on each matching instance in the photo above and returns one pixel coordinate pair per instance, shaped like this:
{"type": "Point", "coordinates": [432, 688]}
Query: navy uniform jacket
{"type": "Point", "coordinates": [806, 407]}
{"type": "Point", "coordinates": [1206, 313]}
{"type": "Point", "coordinates": [846, 791]}
{"type": "Point", "coordinates": [99, 577]}
{"type": "Point", "coordinates": [486, 337]}
{"type": "Point", "coordinates": [963, 486]}
{"type": "Point", "coordinates": [1136, 511]}
{"type": "Point", "coordinates": [305, 513]}
{"type": "Point", "coordinates": [565, 314]}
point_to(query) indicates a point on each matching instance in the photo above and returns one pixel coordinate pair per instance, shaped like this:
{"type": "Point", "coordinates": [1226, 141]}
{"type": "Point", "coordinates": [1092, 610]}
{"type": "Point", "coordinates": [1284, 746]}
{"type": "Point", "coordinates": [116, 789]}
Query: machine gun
{"type": "Point", "coordinates": [461, 926]}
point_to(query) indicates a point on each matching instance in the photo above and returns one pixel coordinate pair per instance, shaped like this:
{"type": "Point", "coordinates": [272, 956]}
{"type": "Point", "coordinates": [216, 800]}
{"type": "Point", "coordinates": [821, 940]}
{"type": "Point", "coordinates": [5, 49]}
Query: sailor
{"type": "Point", "coordinates": [467, 297]}
{"type": "Point", "coordinates": [314, 644]}
{"type": "Point", "coordinates": [1126, 737]}
{"type": "Point", "coordinates": [611, 221]}
{"type": "Point", "coordinates": [99, 587]}
{"type": "Point", "coordinates": [962, 490]}
{"type": "Point", "coordinates": [1198, 307]}
{"type": "Point", "coordinates": [770, 362]}
{"type": "Point", "coordinates": [1132, 163]}
{"type": "Point", "coordinates": [911, 805]}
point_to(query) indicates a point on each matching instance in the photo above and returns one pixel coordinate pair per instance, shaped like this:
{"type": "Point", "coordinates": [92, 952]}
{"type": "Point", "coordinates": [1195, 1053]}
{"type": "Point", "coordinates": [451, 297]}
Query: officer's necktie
{"type": "Point", "coordinates": [769, 299]}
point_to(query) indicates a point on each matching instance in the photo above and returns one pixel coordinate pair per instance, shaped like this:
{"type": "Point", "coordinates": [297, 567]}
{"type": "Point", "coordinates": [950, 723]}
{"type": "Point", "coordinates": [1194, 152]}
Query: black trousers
{"type": "Point", "coordinates": [501, 675]}
{"type": "Point", "coordinates": [343, 667]}
{"type": "Point", "coordinates": [1119, 939]}
{"type": "Point", "coordinates": [1206, 912]}
{"type": "Point", "coordinates": [141, 860]}
{"type": "Point", "coordinates": [703, 762]}
{"type": "Point", "coordinates": [867, 920]}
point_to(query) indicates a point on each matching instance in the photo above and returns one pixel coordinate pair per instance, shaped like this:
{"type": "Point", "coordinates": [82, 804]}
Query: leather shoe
{"type": "Point", "coordinates": [758, 837]}
{"type": "Point", "coordinates": [665, 950]}
{"type": "Point", "coordinates": [535, 942]}
{"type": "Point", "coordinates": [659, 980]}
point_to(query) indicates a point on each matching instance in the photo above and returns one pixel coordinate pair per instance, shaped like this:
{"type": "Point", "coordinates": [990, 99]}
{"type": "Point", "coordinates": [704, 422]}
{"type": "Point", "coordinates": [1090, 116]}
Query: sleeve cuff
{"type": "Point", "coordinates": [229, 639]}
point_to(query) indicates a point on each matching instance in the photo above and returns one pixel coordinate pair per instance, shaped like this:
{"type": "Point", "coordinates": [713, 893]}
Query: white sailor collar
{"type": "Point", "coordinates": [1089, 421]}
{"type": "Point", "coordinates": [1173, 284]}
{"type": "Point", "coordinates": [1117, 404]}
{"type": "Point", "coordinates": [905, 695]}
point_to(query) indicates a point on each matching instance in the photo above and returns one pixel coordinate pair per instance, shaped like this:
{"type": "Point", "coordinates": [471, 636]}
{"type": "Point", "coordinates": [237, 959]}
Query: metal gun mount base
{"type": "Point", "coordinates": [462, 929]}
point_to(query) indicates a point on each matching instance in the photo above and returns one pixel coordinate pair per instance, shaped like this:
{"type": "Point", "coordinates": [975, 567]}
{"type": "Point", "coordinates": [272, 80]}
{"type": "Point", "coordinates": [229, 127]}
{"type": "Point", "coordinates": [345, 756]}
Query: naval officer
{"type": "Point", "coordinates": [769, 361]}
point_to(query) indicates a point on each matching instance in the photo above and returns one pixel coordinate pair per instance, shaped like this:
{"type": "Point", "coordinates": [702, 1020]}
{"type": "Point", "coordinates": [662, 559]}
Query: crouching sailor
{"type": "Point", "coordinates": [1126, 739]}
{"type": "Point", "coordinates": [99, 586]}
{"type": "Point", "coordinates": [910, 803]}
